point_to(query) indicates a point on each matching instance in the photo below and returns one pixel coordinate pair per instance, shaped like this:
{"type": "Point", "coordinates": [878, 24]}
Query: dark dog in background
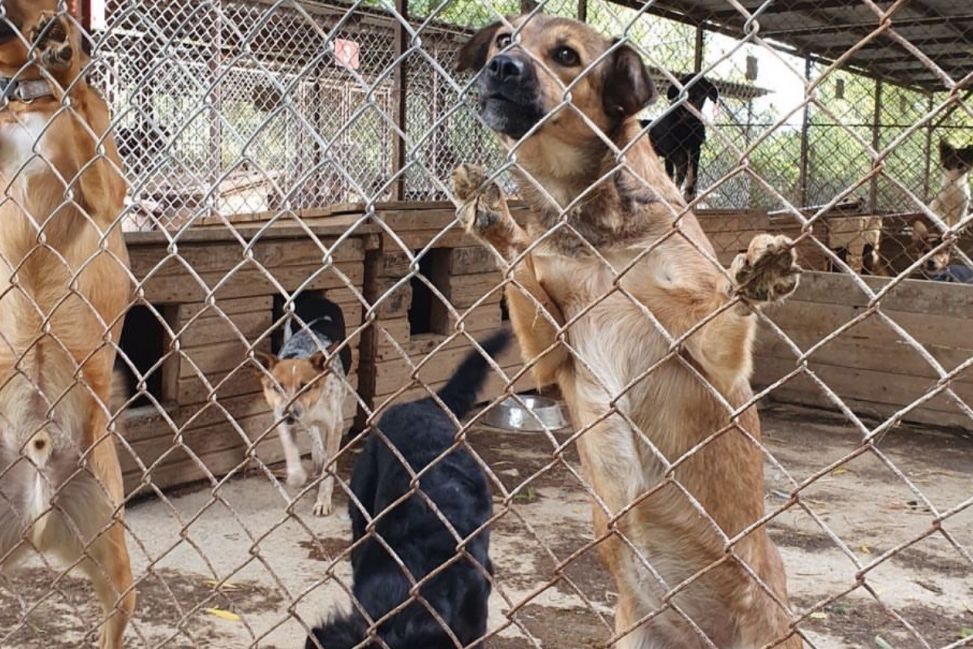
{"type": "Point", "coordinates": [420, 432]}
{"type": "Point", "coordinates": [679, 135]}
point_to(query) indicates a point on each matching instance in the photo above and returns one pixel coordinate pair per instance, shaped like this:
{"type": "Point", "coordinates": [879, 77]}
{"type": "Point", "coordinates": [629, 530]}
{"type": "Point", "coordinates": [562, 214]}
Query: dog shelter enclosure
{"type": "Point", "coordinates": [274, 148]}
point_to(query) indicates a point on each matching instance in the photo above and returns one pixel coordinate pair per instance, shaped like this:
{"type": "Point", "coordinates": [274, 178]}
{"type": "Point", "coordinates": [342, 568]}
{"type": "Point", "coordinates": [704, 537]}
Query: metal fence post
{"type": "Point", "coordinates": [401, 101]}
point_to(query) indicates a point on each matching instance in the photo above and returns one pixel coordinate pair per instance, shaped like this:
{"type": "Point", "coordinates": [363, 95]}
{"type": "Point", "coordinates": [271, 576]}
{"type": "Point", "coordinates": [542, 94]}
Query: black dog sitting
{"type": "Point", "coordinates": [679, 135]}
{"type": "Point", "coordinates": [420, 431]}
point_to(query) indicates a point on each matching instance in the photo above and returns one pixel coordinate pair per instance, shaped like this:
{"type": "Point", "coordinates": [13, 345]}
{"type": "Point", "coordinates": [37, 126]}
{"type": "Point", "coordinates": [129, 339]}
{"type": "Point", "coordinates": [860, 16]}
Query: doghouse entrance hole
{"type": "Point", "coordinates": [145, 343]}
{"type": "Point", "coordinates": [427, 313]}
{"type": "Point", "coordinates": [278, 313]}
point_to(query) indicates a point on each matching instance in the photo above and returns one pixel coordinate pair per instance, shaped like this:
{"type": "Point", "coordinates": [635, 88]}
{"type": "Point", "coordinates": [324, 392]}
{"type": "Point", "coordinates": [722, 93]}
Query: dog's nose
{"type": "Point", "coordinates": [289, 420]}
{"type": "Point", "coordinates": [504, 67]}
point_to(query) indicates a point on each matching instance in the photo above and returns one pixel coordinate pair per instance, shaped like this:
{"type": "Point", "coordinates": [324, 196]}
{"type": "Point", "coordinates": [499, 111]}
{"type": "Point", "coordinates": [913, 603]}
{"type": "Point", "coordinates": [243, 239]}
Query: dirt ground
{"type": "Point", "coordinates": [235, 570]}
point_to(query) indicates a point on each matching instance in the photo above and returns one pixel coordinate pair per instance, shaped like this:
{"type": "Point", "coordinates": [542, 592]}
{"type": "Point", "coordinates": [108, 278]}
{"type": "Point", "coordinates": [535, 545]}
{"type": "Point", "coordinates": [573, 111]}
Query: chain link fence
{"type": "Point", "coordinates": [283, 154]}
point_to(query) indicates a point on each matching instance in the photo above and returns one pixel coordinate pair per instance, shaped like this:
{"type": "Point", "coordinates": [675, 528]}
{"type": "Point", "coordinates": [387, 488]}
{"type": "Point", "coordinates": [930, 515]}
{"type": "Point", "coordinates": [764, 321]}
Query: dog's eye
{"type": "Point", "coordinates": [302, 385]}
{"type": "Point", "coordinates": [504, 40]}
{"type": "Point", "coordinates": [567, 57]}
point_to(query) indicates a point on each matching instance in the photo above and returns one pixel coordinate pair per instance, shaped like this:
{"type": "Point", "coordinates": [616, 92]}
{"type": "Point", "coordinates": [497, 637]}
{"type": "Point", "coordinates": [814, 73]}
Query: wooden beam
{"type": "Point", "coordinates": [401, 93]}
{"type": "Point", "coordinates": [930, 105]}
{"type": "Point", "coordinates": [908, 58]}
{"type": "Point", "coordinates": [783, 6]}
{"type": "Point", "coordinates": [805, 127]}
{"type": "Point", "coordinates": [876, 144]}
{"type": "Point", "coordinates": [698, 49]}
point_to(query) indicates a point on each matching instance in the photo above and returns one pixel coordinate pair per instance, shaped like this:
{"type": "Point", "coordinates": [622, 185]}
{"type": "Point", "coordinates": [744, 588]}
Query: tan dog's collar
{"type": "Point", "coordinates": [25, 90]}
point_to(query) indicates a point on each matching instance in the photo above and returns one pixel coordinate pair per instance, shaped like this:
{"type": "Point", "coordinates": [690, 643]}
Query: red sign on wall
{"type": "Point", "coordinates": [347, 53]}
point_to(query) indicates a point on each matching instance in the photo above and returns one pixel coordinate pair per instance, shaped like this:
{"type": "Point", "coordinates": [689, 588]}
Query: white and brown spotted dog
{"type": "Point", "coordinates": [65, 287]}
{"type": "Point", "coordinates": [306, 388]}
{"type": "Point", "coordinates": [674, 475]}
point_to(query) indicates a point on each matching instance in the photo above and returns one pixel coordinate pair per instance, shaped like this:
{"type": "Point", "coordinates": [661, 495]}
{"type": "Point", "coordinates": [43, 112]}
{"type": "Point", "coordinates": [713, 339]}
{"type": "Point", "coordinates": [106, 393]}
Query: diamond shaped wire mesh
{"type": "Point", "coordinates": [280, 153]}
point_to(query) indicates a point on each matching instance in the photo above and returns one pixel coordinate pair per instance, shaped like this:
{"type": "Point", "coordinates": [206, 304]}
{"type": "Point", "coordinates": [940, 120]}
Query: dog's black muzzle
{"type": "Point", "coordinates": [509, 99]}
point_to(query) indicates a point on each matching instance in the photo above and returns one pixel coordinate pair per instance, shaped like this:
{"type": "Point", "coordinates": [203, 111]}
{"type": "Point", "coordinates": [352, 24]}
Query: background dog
{"type": "Point", "coordinates": [679, 135]}
{"type": "Point", "coordinates": [640, 409]}
{"type": "Point", "coordinates": [952, 203]}
{"type": "Point", "coordinates": [420, 432]}
{"type": "Point", "coordinates": [926, 241]}
{"type": "Point", "coordinates": [306, 389]}
{"type": "Point", "coordinates": [61, 310]}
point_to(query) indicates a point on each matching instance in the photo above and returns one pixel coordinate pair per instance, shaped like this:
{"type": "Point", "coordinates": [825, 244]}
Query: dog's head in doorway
{"type": "Point", "coordinates": [925, 241]}
{"type": "Point", "coordinates": [293, 386]}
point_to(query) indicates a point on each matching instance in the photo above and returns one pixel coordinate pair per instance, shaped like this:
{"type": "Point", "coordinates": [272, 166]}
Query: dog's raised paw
{"type": "Point", "coordinates": [767, 271]}
{"type": "Point", "coordinates": [483, 206]}
{"type": "Point", "coordinates": [467, 179]}
{"type": "Point", "coordinates": [52, 41]}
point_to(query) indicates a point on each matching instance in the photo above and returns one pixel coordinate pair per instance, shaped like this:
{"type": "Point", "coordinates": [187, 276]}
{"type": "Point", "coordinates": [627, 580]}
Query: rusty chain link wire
{"type": "Point", "coordinates": [280, 149]}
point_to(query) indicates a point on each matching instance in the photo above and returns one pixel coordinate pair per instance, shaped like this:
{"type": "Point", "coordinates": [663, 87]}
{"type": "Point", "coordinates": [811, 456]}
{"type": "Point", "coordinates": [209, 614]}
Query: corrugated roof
{"type": "Point", "coordinates": [924, 44]}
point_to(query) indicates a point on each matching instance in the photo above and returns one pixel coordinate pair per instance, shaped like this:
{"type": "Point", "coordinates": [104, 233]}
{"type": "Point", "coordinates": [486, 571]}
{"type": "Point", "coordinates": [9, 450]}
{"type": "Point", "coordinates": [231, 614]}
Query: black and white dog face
{"type": "Point", "coordinates": [956, 162]}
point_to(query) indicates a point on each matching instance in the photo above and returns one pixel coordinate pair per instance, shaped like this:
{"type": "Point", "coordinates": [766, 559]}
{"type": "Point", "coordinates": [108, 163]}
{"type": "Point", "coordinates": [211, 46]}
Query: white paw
{"type": "Point", "coordinates": [768, 271]}
{"type": "Point", "coordinates": [323, 508]}
{"type": "Point", "coordinates": [296, 478]}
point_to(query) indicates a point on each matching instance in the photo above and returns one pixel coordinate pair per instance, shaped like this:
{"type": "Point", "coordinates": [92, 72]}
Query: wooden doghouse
{"type": "Point", "coordinates": [413, 342]}
{"type": "Point", "coordinates": [219, 294]}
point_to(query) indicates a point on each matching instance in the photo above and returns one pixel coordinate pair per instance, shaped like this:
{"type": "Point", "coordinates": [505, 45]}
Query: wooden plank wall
{"type": "Point", "coordinates": [216, 418]}
{"type": "Point", "coordinates": [473, 279]}
{"type": "Point", "coordinates": [216, 413]}
{"type": "Point", "coordinates": [731, 231]}
{"type": "Point", "coordinates": [870, 367]}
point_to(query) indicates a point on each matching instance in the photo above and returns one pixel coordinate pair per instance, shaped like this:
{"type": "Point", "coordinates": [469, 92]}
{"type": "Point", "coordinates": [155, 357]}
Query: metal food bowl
{"type": "Point", "coordinates": [540, 412]}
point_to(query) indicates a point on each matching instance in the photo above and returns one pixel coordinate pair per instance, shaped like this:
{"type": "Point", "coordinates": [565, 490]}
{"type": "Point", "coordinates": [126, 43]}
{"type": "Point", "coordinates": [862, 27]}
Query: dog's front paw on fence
{"type": "Point", "coordinates": [767, 271]}
{"type": "Point", "coordinates": [52, 41]}
{"type": "Point", "coordinates": [484, 205]}
{"type": "Point", "coordinates": [483, 210]}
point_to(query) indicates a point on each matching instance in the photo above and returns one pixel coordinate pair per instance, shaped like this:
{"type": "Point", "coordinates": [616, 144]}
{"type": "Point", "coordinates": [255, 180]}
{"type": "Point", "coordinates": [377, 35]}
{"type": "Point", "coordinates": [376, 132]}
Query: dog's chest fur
{"type": "Point", "coordinates": [617, 341]}
{"type": "Point", "coordinates": [23, 147]}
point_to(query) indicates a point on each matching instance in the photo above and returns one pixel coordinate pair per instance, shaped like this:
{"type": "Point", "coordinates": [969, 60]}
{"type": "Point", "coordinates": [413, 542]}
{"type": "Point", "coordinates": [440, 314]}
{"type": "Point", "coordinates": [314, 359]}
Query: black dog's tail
{"type": "Point", "coordinates": [342, 632]}
{"type": "Point", "coordinates": [459, 393]}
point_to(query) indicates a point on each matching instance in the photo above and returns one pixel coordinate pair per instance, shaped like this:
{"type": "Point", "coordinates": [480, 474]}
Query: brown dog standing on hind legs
{"type": "Point", "coordinates": [65, 289]}
{"type": "Point", "coordinates": [647, 260]}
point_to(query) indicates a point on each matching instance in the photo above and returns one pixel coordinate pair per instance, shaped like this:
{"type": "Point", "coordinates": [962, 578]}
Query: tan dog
{"type": "Point", "coordinates": [306, 389]}
{"type": "Point", "coordinates": [65, 290]}
{"type": "Point", "coordinates": [675, 477]}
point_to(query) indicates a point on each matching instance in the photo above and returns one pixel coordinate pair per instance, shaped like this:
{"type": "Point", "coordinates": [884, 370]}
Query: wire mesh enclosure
{"type": "Point", "coordinates": [237, 233]}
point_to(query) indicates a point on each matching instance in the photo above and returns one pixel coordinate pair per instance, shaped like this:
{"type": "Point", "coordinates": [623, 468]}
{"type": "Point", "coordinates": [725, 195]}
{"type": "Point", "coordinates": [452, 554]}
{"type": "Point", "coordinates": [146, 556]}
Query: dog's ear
{"type": "Point", "coordinates": [712, 92]}
{"type": "Point", "coordinates": [672, 92]}
{"type": "Point", "coordinates": [319, 359]}
{"type": "Point", "coordinates": [628, 86]}
{"type": "Point", "coordinates": [527, 6]}
{"type": "Point", "coordinates": [473, 55]}
{"type": "Point", "coordinates": [268, 361]}
{"type": "Point", "coordinates": [919, 231]}
{"type": "Point", "coordinates": [945, 147]}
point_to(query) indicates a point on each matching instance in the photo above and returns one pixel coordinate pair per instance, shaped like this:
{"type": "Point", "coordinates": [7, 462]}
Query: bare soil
{"type": "Point", "coordinates": [253, 568]}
